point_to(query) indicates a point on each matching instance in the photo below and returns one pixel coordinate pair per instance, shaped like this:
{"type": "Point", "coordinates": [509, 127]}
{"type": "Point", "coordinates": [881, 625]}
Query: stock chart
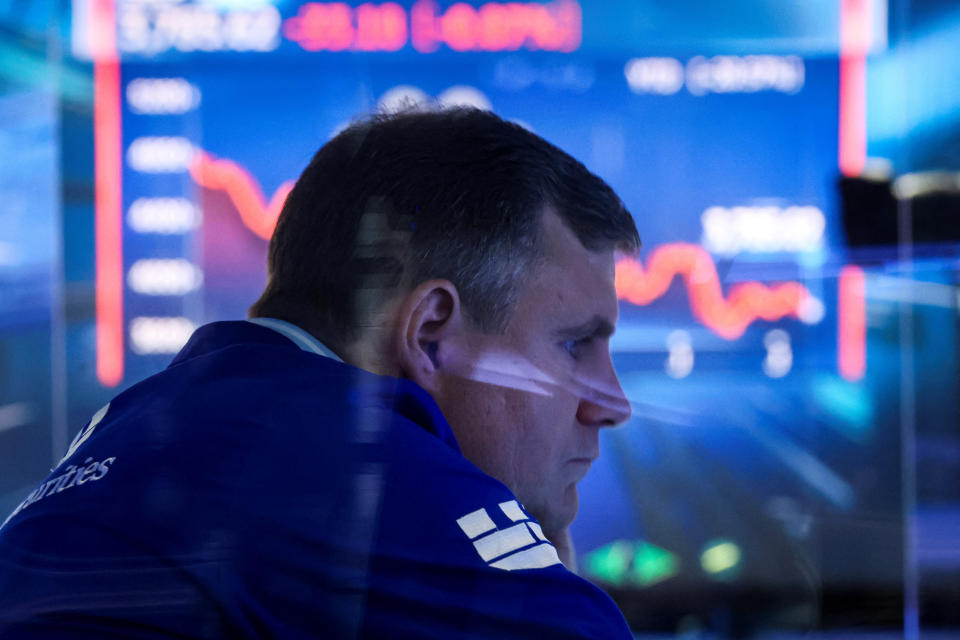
{"type": "Point", "coordinates": [764, 452]}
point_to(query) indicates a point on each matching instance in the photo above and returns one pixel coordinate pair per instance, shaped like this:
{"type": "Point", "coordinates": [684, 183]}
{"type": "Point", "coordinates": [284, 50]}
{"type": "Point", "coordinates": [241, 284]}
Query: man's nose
{"type": "Point", "coordinates": [603, 402]}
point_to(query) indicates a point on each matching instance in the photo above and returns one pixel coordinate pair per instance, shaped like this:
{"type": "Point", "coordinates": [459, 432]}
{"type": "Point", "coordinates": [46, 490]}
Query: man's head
{"type": "Point", "coordinates": [473, 257]}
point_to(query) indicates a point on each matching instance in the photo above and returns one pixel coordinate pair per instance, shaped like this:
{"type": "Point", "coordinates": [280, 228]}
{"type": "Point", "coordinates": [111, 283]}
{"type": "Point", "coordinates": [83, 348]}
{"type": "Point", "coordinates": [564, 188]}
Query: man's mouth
{"type": "Point", "coordinates": [580, 466]}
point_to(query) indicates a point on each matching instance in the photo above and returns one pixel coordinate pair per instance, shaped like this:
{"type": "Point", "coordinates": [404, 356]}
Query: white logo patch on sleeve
{"type": "Point", "coordinates": [519, 546]}
{"type": "Point", "coordinates": [86, 432]}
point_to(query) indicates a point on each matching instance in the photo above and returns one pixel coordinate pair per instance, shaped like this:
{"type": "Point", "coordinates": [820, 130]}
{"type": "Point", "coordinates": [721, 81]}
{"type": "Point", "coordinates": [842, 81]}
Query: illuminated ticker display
{"type": "Point", "coordinates": [740, 320]}
{"type": "Point", "coordinates": [725, 231]}
{"type": "Point", "coordinates": [337, 26]}
{"type": "Point", "coordinates": [178, 152]}
{"type": "Point", "coordinates": [728, 315]}
{"type": "Point", "coordinates": [490, 27]}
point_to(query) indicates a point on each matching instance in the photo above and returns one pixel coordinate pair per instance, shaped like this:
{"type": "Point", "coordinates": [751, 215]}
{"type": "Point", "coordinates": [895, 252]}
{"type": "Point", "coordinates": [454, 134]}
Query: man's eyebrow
{"type": "Point", "coordinates": [595, 327]}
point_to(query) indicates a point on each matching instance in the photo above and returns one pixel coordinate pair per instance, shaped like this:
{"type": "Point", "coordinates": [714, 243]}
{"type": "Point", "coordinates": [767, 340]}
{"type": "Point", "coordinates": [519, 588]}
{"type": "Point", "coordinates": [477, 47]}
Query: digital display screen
{"type": "Point", "coordinates": [761, 471]}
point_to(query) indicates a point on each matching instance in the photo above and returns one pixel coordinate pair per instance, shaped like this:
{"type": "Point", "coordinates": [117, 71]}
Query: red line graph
{"type": "Point", "coordinates": [727, 316]}
{"type": "Point", "coordinates": [243, 189]}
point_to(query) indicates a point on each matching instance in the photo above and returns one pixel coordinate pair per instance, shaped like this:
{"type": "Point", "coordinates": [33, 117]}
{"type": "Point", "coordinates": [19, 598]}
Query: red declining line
{"type": "Point", "coordinates": [243, 189]}
{"type": "Point", "coordinates": [728, 317]}
{"type": "Point", "coordinates": [108, 173]}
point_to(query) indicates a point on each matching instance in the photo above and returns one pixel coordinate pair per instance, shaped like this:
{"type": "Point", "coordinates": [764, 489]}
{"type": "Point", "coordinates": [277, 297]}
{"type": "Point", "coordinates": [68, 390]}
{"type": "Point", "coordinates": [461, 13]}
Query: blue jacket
{"type": "Point", "coordinates": [256, 489]}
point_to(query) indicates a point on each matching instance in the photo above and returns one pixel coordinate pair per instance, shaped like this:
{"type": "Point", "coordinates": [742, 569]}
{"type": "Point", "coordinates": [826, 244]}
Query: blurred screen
{"type": "Point", "coordinates": [760, 482]}
{"type": "Point", "coordinates": [30, 249]}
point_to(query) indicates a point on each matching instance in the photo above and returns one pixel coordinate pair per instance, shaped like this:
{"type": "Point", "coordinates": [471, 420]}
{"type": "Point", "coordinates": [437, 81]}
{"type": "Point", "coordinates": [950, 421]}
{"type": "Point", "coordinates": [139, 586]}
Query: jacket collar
{"type": "Point", "coordinates": [299, 337]}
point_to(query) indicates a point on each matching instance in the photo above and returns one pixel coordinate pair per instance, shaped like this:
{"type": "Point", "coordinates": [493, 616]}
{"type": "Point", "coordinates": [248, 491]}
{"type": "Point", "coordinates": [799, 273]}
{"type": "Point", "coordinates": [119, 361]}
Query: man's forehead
{"type": "Point", "coordinates": [562, 249]}
{"type": "Point", "coordinates": [573, 277]}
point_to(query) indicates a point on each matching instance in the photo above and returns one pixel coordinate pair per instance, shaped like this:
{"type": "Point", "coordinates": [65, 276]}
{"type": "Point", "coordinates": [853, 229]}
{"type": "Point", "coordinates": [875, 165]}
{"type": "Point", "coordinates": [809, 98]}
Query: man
{"type": "Point", "coordinates": [390, 446]}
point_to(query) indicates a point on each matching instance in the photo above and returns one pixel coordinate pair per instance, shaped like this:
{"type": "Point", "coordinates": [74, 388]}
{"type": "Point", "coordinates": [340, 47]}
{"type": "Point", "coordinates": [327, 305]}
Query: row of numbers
{"type": "Point", "coordinates": [165, 280]}
{"type": "Point", "coordinates": [152, 29]}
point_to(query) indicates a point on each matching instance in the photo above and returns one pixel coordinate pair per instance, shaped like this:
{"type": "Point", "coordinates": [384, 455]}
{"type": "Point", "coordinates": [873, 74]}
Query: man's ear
{"type": "Point", "coordinates": [430, 320]}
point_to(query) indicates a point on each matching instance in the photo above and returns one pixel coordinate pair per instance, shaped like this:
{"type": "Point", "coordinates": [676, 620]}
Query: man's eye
{"type": "Point", "coordinates": [575, 347]}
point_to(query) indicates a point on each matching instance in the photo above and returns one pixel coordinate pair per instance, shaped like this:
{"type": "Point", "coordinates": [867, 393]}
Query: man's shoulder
{"type": "Point", "coordinates": [457, 548]}
{"type": "Point", "coordinates": [243, 411]}
{"type": "Point", "coordinates": [236, 379]}
{"type": "Point", "coordinates": [475, 563]}
{"type": "Point", "coordinates": [264, 465]}
{"type": "Point", "coordinates": [440, 535]}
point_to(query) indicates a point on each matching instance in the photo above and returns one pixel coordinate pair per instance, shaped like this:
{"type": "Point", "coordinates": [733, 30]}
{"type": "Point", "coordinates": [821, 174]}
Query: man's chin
{"type": "Point", "coordinates": [561, 513]}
